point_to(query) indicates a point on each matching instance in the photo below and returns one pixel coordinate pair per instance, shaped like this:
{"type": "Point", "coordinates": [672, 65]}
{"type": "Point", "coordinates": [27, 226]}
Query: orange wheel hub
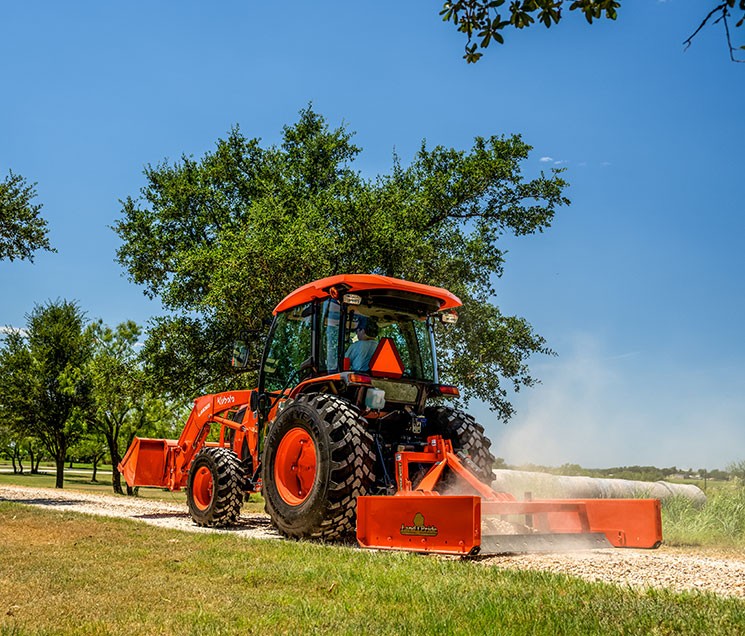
{"type": "Point", "coordinates": [203, 488]}
{"type": "Point", "coordinates": [295, 466]}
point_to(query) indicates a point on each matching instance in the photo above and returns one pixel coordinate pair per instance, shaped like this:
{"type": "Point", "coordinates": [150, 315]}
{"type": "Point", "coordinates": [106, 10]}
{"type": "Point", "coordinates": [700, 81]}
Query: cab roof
{"type": "Point", "coordinates": [356, 283]}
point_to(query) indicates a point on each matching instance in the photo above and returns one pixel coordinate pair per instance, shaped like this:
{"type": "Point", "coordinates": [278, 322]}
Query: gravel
{"type": "Point", "coordinates": [661, 568]}
{"type": "Point", "coordinates": [156, 513]}
{"type": "Point", "coordinates": [669, 568]}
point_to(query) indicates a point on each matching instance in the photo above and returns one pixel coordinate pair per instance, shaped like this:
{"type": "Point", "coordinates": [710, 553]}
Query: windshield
{"type": "Point", "coordinates": [364, 327]}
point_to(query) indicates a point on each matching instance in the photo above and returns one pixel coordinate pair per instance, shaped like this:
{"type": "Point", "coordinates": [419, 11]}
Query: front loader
{"type": "Point", "coordinates": [347, 431]}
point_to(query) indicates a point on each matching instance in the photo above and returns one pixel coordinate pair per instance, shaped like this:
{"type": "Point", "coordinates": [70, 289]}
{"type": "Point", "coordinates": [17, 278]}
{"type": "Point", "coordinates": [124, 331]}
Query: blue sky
{"type": "Point", "coordinates": [637, 286]}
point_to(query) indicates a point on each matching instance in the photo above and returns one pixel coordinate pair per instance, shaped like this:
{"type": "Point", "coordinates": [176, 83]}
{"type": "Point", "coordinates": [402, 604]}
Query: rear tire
{"type": "Point", "coordinates": [467, 436]}
{"type": "Point", "coordinates": [213, 490]}
{"type": "Point", "coordinates": [318, 458]}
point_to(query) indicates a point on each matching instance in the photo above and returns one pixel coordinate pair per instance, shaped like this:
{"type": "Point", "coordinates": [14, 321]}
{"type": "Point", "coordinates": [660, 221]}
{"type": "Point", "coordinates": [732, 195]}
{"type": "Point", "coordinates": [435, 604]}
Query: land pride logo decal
{"type": "Point", "coordinates": [419, 529]}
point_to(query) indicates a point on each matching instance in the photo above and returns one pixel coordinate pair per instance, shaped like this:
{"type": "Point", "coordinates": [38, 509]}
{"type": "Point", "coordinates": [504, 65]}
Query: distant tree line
{"type": "Point", "coordinates": [735, 470]}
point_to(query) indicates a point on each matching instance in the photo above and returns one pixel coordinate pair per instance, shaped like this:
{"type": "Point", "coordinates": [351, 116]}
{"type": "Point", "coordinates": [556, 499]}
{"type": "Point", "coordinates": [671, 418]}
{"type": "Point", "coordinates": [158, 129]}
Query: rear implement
{"type": "Point", "coordinates": [423, 520]}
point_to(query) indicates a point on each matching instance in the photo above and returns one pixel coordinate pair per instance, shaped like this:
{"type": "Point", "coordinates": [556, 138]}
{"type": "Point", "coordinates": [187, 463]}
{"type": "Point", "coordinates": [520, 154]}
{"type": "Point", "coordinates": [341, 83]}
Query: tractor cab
{"type": "Point", "coordinates": [366, 338]}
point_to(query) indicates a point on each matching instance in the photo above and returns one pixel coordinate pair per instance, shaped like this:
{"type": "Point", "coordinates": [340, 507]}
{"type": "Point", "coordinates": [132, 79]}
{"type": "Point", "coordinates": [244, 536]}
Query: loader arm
{"type": "Point", "coordinates": [165, 462]}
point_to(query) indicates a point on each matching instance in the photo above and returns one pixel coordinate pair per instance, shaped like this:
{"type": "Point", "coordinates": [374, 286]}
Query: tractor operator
{"type": "Point", "coordinates": [361, 351]}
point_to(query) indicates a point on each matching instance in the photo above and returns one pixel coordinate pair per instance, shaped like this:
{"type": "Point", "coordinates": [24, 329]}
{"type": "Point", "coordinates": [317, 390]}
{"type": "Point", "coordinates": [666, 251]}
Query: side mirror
{"type": "Point", "coordinates": [307, 368]}
{"type": "Point", "coordinates": [263, 404]}
{"type": "Point", "coordinates": [239, 360]}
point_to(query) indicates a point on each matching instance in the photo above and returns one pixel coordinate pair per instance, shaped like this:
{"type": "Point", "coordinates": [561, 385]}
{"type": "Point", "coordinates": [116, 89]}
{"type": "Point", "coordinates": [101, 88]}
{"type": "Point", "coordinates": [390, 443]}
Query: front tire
{"type": "Point", "coordinates": [318, 458]}
{"type": "Point", "coordinates": [213, 490]}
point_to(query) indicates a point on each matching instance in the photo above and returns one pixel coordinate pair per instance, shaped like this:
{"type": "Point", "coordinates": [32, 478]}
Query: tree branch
{"type": "Point", "coordinates": [725, 15]}
{"type": "Point", "coordinates": [723, 10]}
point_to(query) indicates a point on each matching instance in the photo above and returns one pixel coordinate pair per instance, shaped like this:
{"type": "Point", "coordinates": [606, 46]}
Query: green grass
{"type": "Point", "coordinates": [64, 573]}
{"type": "Point", "coordinates": [719, 523]}
{"type": "Point", "coordinates": [81, 482]}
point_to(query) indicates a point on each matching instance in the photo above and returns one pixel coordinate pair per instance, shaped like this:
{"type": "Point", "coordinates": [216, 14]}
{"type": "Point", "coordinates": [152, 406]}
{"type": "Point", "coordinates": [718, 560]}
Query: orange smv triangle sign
{"type": "Point", "coordinates": [386, 362]}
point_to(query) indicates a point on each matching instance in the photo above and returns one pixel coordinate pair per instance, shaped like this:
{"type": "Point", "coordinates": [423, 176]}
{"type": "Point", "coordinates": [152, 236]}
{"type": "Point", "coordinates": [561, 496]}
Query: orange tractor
{"type": "Point", "coordinates": [347, 427]}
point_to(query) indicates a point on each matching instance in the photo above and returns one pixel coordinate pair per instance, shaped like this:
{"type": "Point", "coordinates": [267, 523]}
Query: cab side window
{"type": "Point", "coordinates": [290, 347]}
{"type": "Point", "coordinates": [329, 344]}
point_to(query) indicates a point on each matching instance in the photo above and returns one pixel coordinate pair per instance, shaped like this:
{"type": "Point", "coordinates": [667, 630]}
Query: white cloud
{"type": "Point", "coordinates": [546, 159]}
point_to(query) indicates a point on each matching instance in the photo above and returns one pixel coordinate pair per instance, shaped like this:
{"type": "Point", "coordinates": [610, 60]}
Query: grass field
{"type": "Point", "coordinates": [720, 523]}
{"type": "Point", "coordinates": [64, 573]}
{"type": "Point", "coordinates": [79, 478]}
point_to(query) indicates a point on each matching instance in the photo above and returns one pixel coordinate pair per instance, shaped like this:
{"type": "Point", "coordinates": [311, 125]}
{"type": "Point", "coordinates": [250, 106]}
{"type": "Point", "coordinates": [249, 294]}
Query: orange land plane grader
{"type": "Point", "coordinates": [347, 426]}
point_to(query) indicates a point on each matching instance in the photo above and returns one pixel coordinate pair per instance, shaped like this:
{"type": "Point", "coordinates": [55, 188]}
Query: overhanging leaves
{"type": "Point", "coordinates": [222, 240]}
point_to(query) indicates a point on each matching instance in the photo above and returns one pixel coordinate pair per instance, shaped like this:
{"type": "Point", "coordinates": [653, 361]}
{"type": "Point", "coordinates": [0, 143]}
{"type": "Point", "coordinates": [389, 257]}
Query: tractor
{"type": "Point", "coordinates": [347, 431]}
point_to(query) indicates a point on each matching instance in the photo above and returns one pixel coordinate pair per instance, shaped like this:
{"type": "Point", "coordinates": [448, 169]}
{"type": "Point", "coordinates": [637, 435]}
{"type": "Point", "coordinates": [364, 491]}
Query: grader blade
{"type": "Point", "coordinates": [445, 525]}
{"type": "Point", "coordinates": [421, 520]}
{"type": "Point", "coordinates": [539, 542]}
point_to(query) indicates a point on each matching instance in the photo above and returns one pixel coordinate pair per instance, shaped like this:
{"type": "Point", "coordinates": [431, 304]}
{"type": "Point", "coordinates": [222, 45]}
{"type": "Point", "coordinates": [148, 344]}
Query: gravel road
{"type": "Point", "coordinates": [662, 568]}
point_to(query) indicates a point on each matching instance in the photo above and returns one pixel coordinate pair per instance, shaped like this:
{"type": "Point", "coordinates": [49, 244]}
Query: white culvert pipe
{"type": "Point", "coordinates": [545, 486]}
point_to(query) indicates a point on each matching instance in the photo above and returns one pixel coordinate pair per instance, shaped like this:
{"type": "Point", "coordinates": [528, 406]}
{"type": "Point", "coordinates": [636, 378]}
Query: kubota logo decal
{"type": "Point", "coordinates": [419, 529]}
{"type": "Point", "coordinates": [222, 400]}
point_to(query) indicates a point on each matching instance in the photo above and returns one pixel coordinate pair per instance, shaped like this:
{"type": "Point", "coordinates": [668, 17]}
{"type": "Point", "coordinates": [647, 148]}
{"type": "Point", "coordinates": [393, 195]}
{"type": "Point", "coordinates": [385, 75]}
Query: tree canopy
{"type": "Point", "coordinates": [120, 406]}
{"type": "Point", "coordinates": [486, 21]}
{"type": "Point", "coordinates": [45, 388]}
{"type": "Point", "coordinates": [22, 230]}
{"type": "Point", "coordinates": [223, 239]}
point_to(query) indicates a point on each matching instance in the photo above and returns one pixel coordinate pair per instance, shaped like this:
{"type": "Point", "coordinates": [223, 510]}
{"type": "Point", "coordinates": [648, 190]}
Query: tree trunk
{"type": "Point", "coordinates": [31, 458]}
{"type": "Point", "coordinates": [59, 461]}
{"type": "Point", "coordinates": [116, 477]}
{"type": "Point", "coordinates": [17, 456]}
{"type": "Point", "coordinates": [95, 469]}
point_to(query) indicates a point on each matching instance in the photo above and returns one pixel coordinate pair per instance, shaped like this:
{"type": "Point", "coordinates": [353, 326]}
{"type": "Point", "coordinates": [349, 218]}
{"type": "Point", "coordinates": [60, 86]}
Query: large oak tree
{"type": "Point", "coordinates": [222, 239]}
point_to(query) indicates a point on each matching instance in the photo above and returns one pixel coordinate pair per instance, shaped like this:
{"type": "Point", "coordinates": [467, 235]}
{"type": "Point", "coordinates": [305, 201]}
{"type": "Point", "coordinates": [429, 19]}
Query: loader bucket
{"type": "Point", "coordinates": [146, 463]}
